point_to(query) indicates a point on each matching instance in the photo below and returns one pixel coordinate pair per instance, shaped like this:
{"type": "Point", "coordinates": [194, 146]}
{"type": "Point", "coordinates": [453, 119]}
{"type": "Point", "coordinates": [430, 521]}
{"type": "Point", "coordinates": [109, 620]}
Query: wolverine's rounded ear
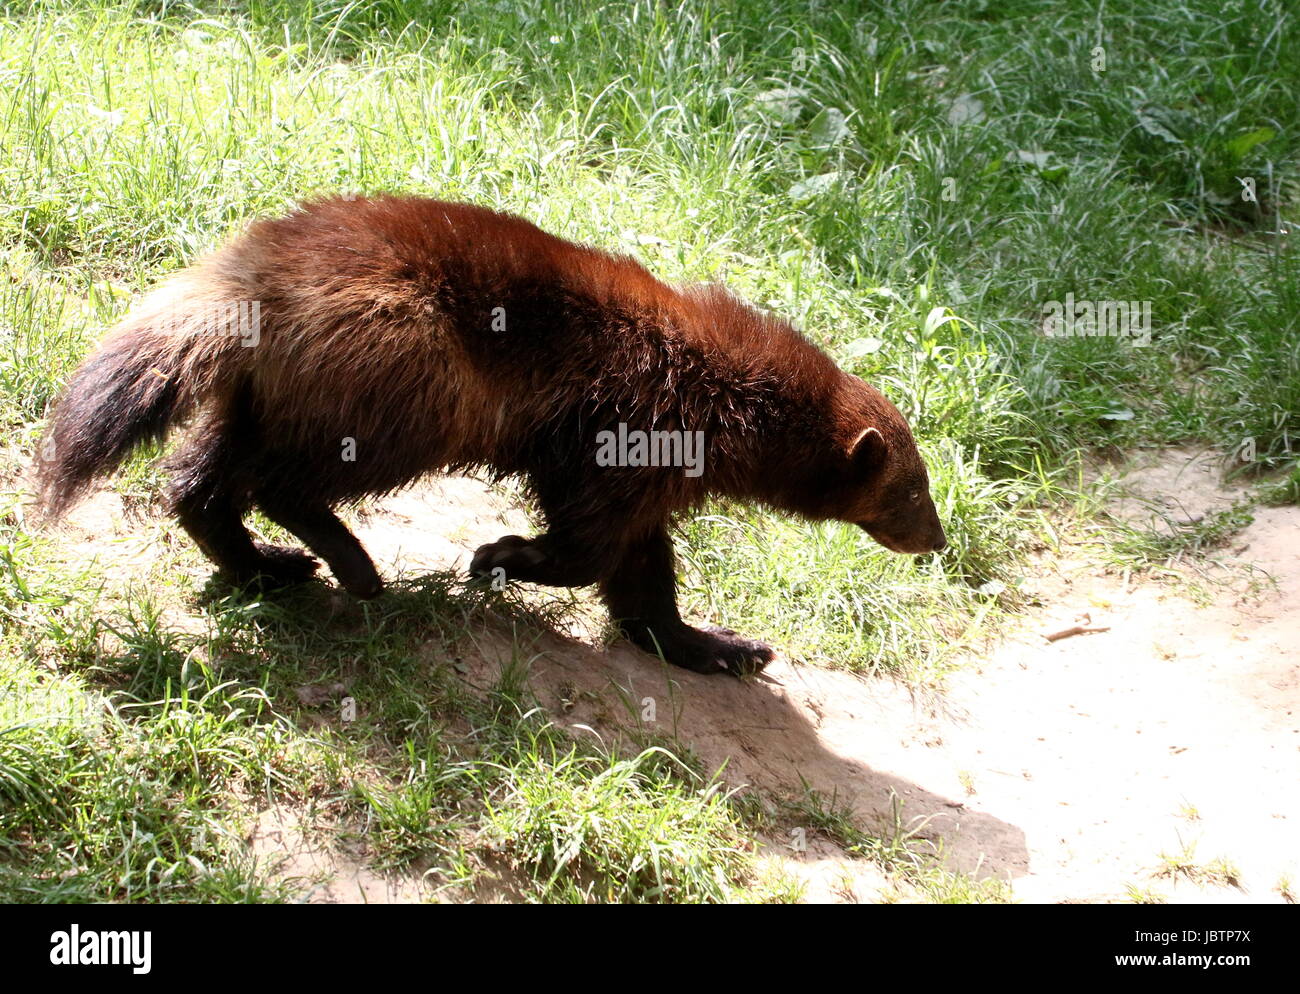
{"type": "Point", "coordinates": [868, 450]}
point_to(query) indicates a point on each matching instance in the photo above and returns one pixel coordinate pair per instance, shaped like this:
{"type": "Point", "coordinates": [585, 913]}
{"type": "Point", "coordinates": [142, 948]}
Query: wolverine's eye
{"type": "Point", "coordinates": [916, 496]}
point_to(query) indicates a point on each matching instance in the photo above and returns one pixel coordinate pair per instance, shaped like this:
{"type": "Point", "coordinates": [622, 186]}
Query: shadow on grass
{"type": "Point", "coordinates": [439, 669]}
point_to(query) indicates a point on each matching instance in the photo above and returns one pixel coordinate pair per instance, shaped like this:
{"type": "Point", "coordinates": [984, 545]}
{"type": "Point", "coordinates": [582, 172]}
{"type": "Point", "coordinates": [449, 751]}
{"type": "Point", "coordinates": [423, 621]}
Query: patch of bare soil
{"type": "Point", "coordinates": [1069, 768]}
{"type": "Point", "coordinates": [1160, 488]}
{"type": "Point", "coordinates": [1174, 732]}
{"type": "Point", "coordinates": [291, 852]}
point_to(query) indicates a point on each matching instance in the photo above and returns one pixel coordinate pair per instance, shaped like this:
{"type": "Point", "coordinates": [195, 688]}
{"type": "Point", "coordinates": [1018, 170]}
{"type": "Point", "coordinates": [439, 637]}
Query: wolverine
{"type": "Point", "coordinates": [360, 343]}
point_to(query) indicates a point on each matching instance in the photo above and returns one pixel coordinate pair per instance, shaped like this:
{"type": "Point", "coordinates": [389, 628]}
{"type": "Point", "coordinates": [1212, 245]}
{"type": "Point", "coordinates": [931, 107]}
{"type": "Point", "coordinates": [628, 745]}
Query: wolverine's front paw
{"type": "Point", "coordinates": [514, 556]}
{"type": "Point", "coordinates": [709, 651]}
{"type": "Point", "coordinates": [728, 652]}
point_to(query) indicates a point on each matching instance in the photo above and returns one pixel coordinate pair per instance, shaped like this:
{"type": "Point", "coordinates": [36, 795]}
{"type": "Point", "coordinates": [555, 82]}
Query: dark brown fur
{"type": "Point", "coordinates": [377, 326]}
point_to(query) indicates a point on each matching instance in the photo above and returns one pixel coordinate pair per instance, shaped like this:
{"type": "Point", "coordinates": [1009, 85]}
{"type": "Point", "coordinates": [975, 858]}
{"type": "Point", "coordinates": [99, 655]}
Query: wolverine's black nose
{"type": "Point", "coordinates": [940, 544]}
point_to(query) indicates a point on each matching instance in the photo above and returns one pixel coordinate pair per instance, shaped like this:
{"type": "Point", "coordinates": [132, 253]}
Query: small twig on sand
{"type": "Point", "coordinates": [1065, 633]}
{"type": "Point", "coordinates": [1083, 626]}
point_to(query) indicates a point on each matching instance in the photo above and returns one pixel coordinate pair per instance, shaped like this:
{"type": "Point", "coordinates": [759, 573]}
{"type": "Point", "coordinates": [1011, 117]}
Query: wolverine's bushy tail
{"type": "Point", "coordinates": [145, 377]}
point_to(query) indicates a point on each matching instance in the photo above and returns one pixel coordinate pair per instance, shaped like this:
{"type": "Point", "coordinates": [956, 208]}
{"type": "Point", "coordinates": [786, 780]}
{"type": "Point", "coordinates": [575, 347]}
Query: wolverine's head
{"type": "Point", "coordinates": [879, 481]}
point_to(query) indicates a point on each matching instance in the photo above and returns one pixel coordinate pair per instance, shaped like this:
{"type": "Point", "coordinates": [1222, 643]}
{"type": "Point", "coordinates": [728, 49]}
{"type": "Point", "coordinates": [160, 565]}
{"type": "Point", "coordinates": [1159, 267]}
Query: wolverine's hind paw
{"type": "Point", "coordinates": [510, 554]}
{"type": "Point", "coordinates": [275, 570]}
{"type": "Point", "coordinates": [279, 566]}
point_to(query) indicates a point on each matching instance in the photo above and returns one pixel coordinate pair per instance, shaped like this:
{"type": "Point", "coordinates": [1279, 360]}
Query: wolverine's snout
{"type": "Point", "coordinates": [908, 545]}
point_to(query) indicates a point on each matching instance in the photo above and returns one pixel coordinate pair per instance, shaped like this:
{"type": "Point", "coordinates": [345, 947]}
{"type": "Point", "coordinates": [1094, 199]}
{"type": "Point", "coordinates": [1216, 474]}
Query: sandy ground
{"type": "Point", "coordinates": [1069, 769]}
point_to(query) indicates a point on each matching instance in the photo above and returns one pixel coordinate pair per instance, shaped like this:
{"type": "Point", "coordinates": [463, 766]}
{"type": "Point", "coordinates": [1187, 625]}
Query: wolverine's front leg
{"type": "Point", "coordinates": [637, 583]}
{"type": "Point", "coordinates": [641, 593]}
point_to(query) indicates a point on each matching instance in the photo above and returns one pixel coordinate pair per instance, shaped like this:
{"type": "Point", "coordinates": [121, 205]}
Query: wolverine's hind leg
{"type": "Point", "coordinates": [208, 495]}
{"type": "Point", "coordinates": [328, 537]}
{"type": "Point", "coordinates": [554, 559]}
{"type": "Point", "coordinates": [582, 544]}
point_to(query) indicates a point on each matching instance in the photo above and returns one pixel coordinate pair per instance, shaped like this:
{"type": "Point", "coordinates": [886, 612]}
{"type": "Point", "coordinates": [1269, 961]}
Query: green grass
{"type": "Point", "coordinates": [910, 182]}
